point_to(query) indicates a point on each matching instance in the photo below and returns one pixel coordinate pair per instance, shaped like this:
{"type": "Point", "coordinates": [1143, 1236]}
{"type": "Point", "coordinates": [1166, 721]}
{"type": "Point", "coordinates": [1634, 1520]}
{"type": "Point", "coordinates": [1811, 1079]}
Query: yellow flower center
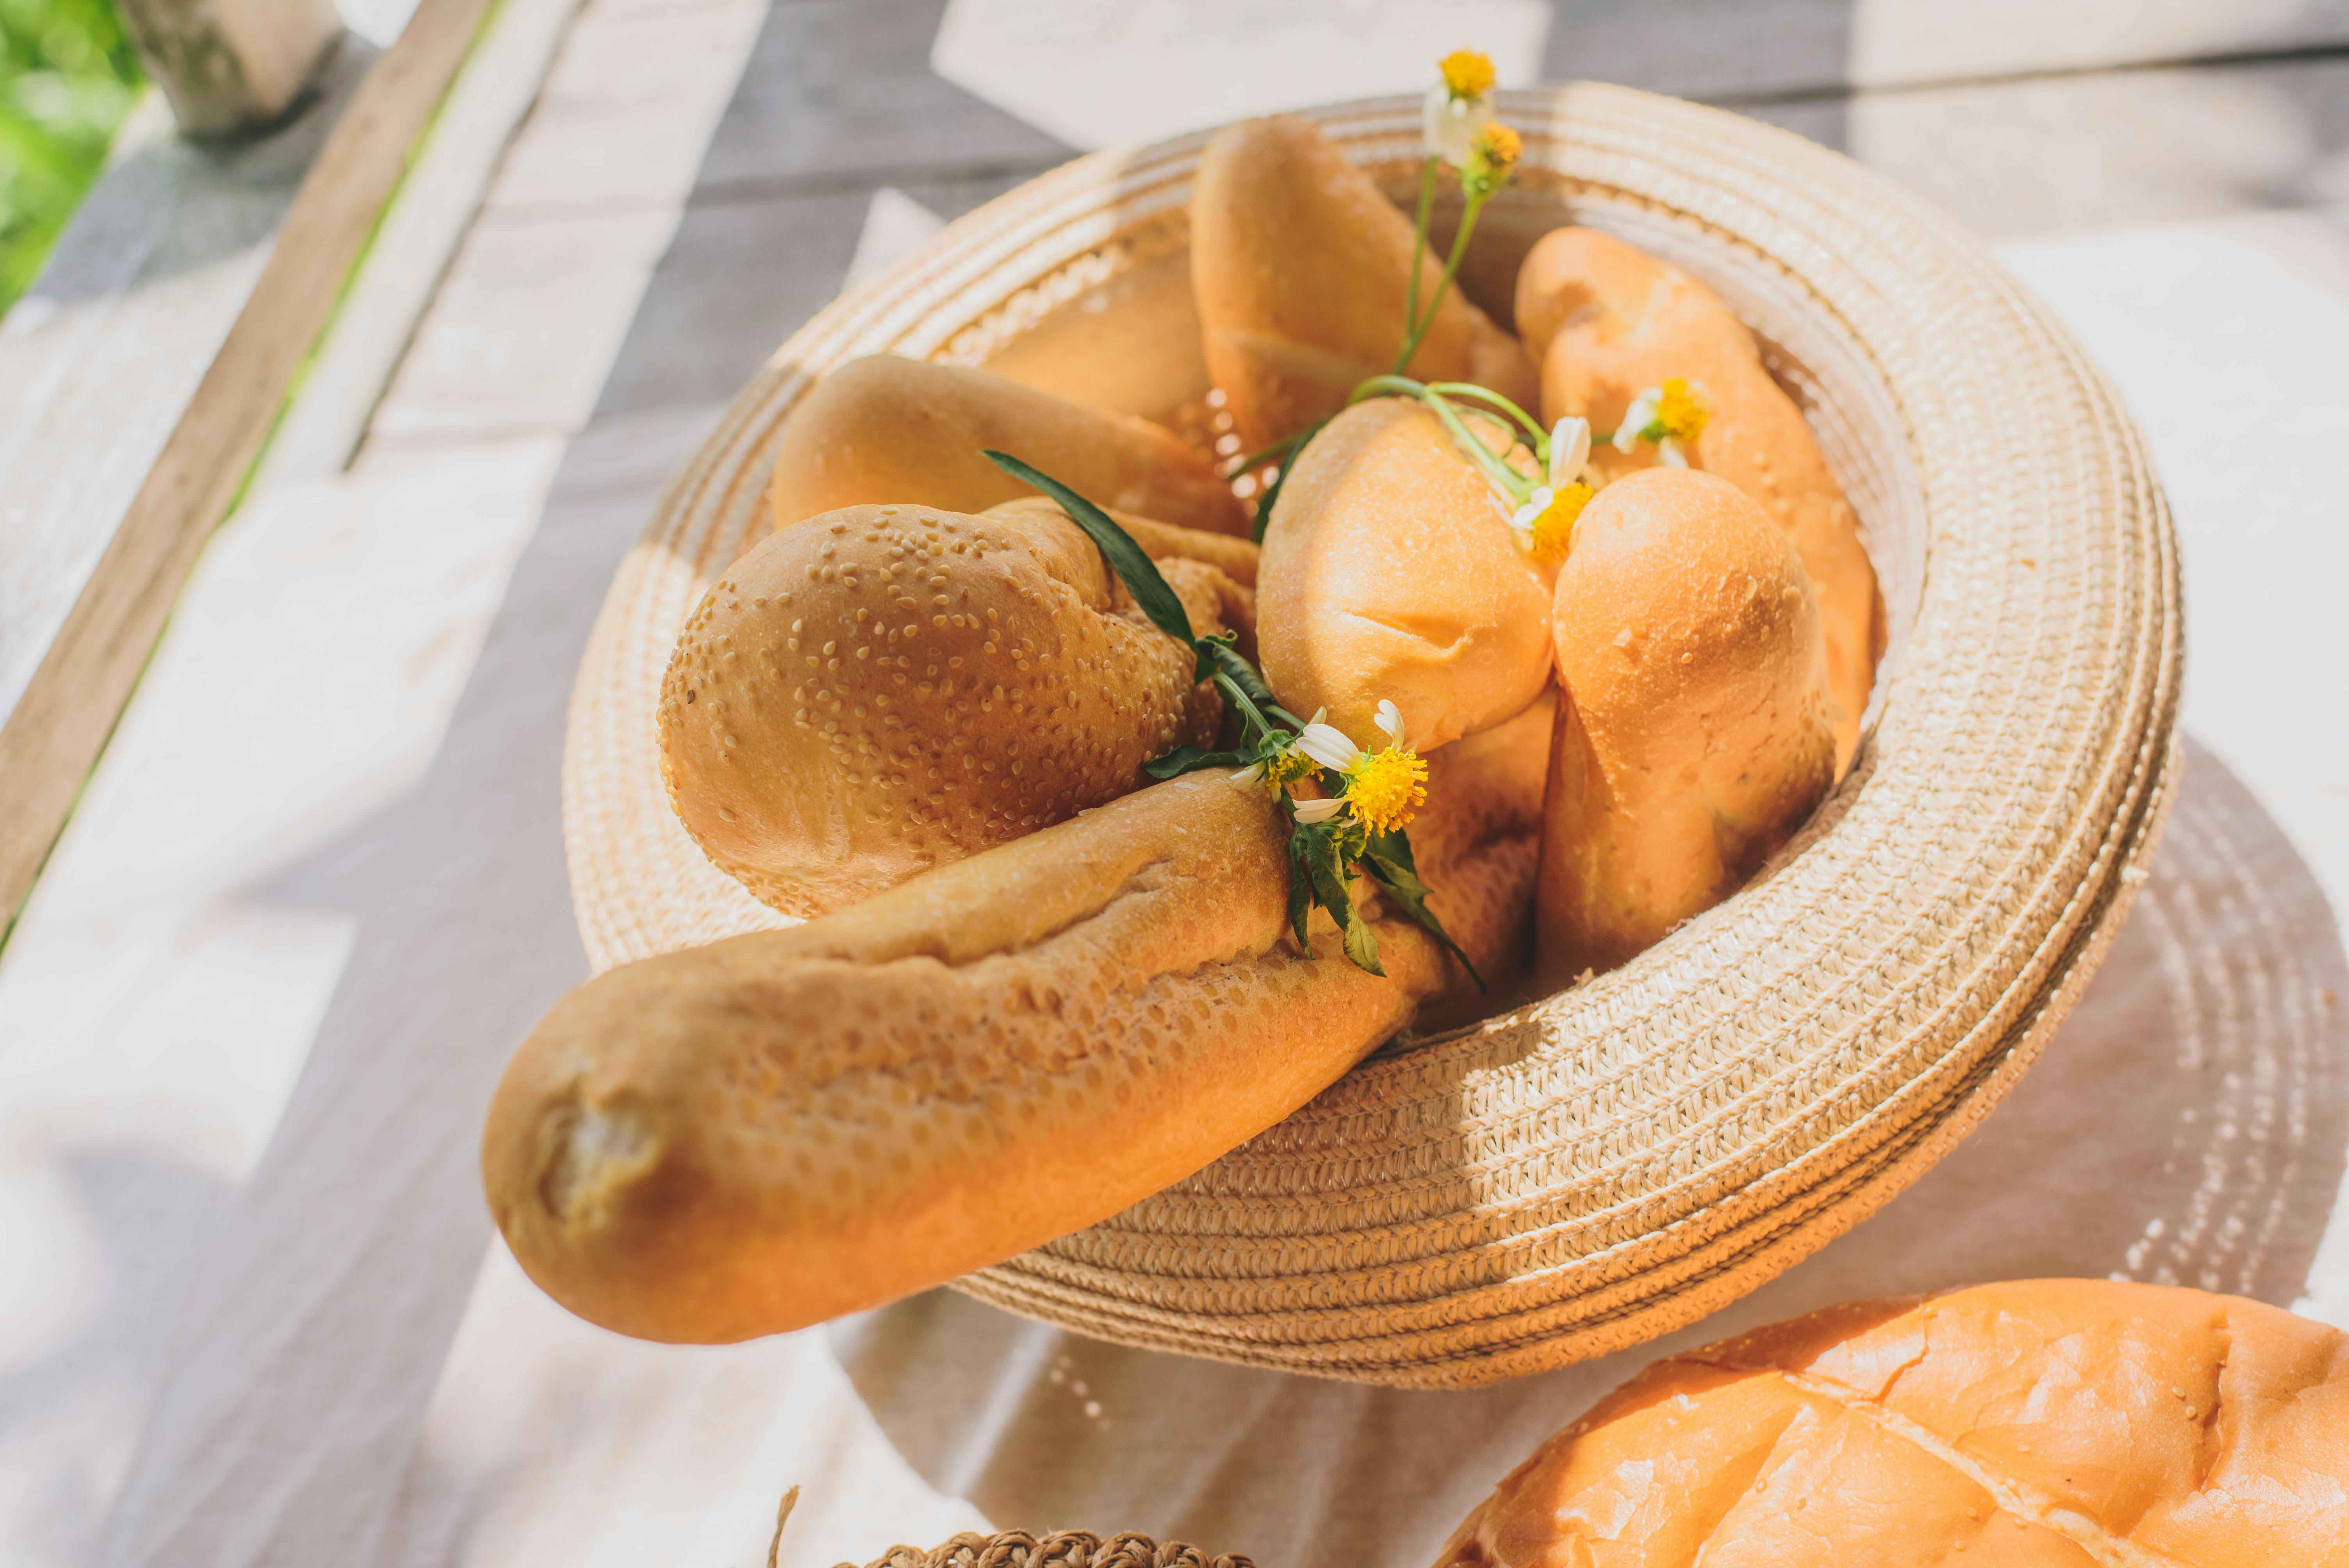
{"type": "Point", "coordinates": [1682, 410]}
{"type": "Point", "coordinates": [1499, 147]}
{"type": "Point", "coordinates": [1491, 156]}
{"type": "Point", "coordinates": [1285, 770]}
{"type": "Point", "coordinates": [1466, 73]}
{"type": "Point", "coordinates": [1553, 531]}
{"type": "Point", "coordinates": [1386, 788]}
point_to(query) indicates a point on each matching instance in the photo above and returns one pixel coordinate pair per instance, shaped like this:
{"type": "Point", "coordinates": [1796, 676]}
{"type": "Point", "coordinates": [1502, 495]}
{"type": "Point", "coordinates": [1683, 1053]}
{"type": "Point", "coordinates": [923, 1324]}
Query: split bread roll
{"type": "Point", "coordinates": [1303, 271]}
{"type": "Point", "coordinates": [1696, 734]}
{"type": "Point", "coordinates": [769, 1131]}
{"type": "Point", "coordinates": [884, 430]}
{"type": "Point", "coordinates": [2062, 1423]}
{"type": "Point", "coordinates": [1606, 322]}
{"type": "Point", "coordinates": [1389, 571]}
{"type": "Point", "coordinates": [873, 692]}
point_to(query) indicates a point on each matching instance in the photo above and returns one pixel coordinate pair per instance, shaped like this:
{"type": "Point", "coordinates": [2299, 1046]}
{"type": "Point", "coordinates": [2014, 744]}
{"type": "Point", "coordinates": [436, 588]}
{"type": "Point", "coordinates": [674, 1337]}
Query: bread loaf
{"type": "Point", "coordinates": [884, 430]}
{"type": "Point", "coordinates": [1606, 322]}
{"type": "Point", "coordinates": [1302, 271]}
{"type": "Point", "coordinates": [1389, 571]}
{"type": "Point", "coordinates": [1696, 734]}
{"type": "Point", "coordinates": [774, 1130]}
{"type": "Point", "coordinates": [2069, 1423]}
{"type": "Point", "coordinates": [871, 692]}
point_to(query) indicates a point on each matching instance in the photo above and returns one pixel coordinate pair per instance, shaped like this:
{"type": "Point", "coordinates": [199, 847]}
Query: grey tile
{"type": "Point", "coordinates": [2058, 154]}
{"type": "Point", "coordinates": [1701, 48]}
{"type": "Point", "coordinates": [741, 277]}
{"type": "Point", "coordinates": [842, 91]}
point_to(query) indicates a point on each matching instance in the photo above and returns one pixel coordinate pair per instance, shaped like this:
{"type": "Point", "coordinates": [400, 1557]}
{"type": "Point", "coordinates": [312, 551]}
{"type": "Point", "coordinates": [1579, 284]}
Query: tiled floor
{"type": "Point", "coordinates": [316, 890]}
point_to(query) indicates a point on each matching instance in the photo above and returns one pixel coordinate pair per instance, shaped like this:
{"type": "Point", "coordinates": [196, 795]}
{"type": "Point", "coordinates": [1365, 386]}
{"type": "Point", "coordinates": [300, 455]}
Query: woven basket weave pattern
{"type": "Point", "coordinates": [1063, 1549]}
{"type": "Point", "coordinates": [1620, 1159]}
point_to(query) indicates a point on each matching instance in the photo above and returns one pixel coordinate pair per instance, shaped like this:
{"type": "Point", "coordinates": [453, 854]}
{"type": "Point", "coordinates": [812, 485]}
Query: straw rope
{"type": "Point", "coordinates": [1618, 1159]}
{"type": "Point", "coordinates": [1063, 1549]}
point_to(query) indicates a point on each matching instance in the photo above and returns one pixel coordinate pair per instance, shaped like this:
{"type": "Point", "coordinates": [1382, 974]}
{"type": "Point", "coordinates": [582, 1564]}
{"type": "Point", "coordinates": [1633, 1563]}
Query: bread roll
{"type": "Point", "coordinates": [885, 429]}
{"type": "Point", "coordinates": [1302, 271]}
{"type": "Point", "coordinates": [875, 691]}
{"type": "Point", "coordinates": [1696, 733]}
{"type": "Point", "coordinates": [1389, 571]}
{"type": "Point", "coordinates": [2069, 1423]}
{"type": "Point", "coordinates": [760, 1134]}
{"type": "Point", "coordinates": [1606, 322]}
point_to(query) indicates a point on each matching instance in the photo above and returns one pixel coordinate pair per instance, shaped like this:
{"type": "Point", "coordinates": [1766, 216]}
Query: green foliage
{"type": "Point", "coordinates": [68, 75]}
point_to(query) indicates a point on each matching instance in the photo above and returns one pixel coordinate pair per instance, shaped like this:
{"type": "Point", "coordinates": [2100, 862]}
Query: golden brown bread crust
{"type": "Point", "coordinates": [760, 1134]}
{"type": "Point", "coordinates": [875, 691]}
{"type": "Point", "coordinates": [1696, 734]}
{"type": "Point", "coordinates": [1302, 271]}
{"type": "Point", "coordinates": [885, 429]}
{"type": "Point", "coordinates": [1388, 572]}
{"type": "Point", "coordinates": [2074, 1422]}
{"type": "Point", "coordinates": [1605, 321]}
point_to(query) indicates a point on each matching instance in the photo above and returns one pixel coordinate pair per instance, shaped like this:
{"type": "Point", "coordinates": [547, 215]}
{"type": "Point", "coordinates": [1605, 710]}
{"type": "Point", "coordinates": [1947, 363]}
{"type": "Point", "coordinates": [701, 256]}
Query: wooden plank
{"type": "Point", "coordinates": [61, 723]}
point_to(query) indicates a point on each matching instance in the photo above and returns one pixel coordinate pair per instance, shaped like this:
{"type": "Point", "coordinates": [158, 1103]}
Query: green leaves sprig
{"type": "Point", "coordinates": [1324, 856]}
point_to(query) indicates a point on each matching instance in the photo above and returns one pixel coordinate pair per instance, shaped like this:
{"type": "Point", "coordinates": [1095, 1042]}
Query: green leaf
{"type": "Point", "coordinates": [1388, 861]}
{"type": "Point", "coordinates": [1227, 661]}
{"type": "Point", "coordinates": [1135, 569]}
{"type": "Point", "coordinates": [1300, 890]}
{"type": "Point", "coordinates": [1327, 863]}
{"type": "Point", "coordinates": [1190, 758]}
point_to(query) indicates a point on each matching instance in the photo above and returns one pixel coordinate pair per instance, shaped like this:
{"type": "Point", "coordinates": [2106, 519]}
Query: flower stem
{"type": "Point", "coordinates": [1232, 693]}
{"type": "Point", "coordinates": [1419, 249]}
{"type": "Point", "coordinates": [1485, 394]}
{"type": "Point", "coordinates": [1451, 268]}
{"type": "Point", "coordinates": [1261, 456]}
{"type": "Point", "coordinates": [1506, 480]}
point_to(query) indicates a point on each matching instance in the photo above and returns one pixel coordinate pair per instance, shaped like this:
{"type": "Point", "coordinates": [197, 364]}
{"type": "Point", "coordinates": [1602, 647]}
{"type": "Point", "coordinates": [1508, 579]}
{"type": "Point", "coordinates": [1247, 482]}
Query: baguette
{"type": "Point", "coordinates": [875, 691]}
{"type": "Point", "coordinates": [2071, 1423]}
{"type": "Point", "coordinates": [1605, 322]}
{"type": "Point", "coordinates": [885, 429]}
{"type": "Point", "coordinates": [1696, 732]}
{"type": "Point", "coordinates": [1302, 270]}
{"type": "Point", "coordinates": [1389, 571]}
{"type": "Point", "coordinates": [757, 1135]}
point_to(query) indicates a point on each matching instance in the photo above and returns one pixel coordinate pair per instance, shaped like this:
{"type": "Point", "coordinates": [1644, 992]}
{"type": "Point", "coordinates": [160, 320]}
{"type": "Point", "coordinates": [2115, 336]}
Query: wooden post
{"type": "Point", "coordinates": [51, 740]}
{"type": "Point", "coordinates": [230, 67]}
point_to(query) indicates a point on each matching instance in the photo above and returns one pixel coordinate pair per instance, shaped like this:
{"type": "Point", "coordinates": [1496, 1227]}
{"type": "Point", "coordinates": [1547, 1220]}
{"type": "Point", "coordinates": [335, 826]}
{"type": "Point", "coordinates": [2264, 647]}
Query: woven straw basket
{"type": "Point", "coordinates": [1063, 1549]}
{"type": "Point", "coordinates": [1620, 1159]}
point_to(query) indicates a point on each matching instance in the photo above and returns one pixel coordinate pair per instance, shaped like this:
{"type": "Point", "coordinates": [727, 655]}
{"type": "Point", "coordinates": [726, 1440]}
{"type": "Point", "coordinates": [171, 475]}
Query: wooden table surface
{"type": "Point", "coordinates": [250, 1306]}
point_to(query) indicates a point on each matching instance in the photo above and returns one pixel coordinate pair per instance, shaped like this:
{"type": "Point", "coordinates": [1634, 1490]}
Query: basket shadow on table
{"type": "Point", "coordinates": [2187, 1126]}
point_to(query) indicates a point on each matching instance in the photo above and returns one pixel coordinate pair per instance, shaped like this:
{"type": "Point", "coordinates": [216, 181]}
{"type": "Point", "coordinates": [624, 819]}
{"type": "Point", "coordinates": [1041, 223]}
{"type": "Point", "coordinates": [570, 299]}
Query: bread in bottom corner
{"type": "Point", "coordinates": [2080, 1423]}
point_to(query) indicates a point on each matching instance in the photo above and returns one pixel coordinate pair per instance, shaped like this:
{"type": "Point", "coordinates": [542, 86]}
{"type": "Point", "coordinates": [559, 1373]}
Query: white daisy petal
{"type": "Point", "coordinates": [1319, 811]}
{"type": "Point", "coordinates": [1389, 720]}
{"type": "Point", "coordinates": [1669, 450]}
{"type": "Point", "coordinates": [1449, 125]}
{"type": "Point", "coordinates": [1569, 451]}
{"type": "Point", "coordinates": [1637, 418]}
{"type": "Point", "coordinates": [1328, 746]}
{"type": "Point", "coordinates": [1248, 775]}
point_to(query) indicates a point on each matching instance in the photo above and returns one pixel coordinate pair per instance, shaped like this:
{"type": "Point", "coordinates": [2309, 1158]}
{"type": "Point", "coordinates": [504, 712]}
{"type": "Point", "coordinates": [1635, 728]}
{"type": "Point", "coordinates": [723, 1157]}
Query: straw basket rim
{"type": "Point", "coordinates": [1618, 1159]}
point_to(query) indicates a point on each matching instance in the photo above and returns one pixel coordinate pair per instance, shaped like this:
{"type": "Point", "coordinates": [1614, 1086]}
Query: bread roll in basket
{"type": "Point", "coordinates": [1620, 1158]}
